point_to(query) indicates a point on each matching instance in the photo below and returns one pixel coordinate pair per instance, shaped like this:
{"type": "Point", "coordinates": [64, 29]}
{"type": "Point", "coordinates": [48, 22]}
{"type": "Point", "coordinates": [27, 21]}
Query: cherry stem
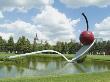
{"type": "Point", "coordinates": [86, 21]}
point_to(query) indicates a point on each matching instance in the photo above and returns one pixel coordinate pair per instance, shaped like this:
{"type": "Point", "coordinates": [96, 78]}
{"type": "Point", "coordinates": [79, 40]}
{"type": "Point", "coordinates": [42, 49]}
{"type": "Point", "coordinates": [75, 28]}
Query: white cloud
{"type": "Point", "coordinates": [23, 5]}
{"type": "Point", "coordinates": [20, 28]}
{"type": "Point", "coordinates": [50, 24]}
{"type": "Point", "coordinates": [86, 3]}
{"type": "Point", "coordinates": [102, 29]}
{"type": "Point", "coordinates": [55, 25]}
{"type": "Point", "coordinates": [6, 35]}
{"type": "Point", "coordinates": [1, 15]}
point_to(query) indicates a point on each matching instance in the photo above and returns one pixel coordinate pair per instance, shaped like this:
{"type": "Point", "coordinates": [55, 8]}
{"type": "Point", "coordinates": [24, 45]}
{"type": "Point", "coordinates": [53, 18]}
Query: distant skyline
{"type": "Point", "coordinates": [53, 20]}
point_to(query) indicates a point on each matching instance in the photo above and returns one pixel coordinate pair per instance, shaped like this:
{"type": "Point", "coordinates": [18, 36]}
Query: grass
{"type": "Point", "coordinates": [99, 57]}
{"type": "Point", "coordinates": [69, 56]}
{"type": "Point", "coordinates": [39, 55]}
{"type": "Point", "coordinates": [19, 60]}
{"type": "Point", "coordinates": [90, 77]}
{"type": "Point", "coordinates": [2, 55]}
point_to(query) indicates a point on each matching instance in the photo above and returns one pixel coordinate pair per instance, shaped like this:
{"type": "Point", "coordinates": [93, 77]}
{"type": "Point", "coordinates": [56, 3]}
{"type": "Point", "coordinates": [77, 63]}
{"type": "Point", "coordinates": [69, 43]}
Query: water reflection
{"type": "Point", "coordinates": [43, 66]}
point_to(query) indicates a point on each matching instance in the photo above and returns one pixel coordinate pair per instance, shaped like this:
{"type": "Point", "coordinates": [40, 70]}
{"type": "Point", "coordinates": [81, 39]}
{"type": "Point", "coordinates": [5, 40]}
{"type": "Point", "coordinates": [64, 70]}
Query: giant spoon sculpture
{"type": "Point", "coordinates": [86, 38]}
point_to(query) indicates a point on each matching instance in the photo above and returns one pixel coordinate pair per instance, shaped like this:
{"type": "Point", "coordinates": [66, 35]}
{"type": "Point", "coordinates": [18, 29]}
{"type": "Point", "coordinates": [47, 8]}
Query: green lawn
{"type": "Point", "coordinates": [93, 77]}
{"type": "Point", "coordinates": [70, 56]}
{"type": "Point", "coordinates": [99, 57]}
{"type": "Point", "coordinates": [2, 55]}
{"type": "Point", "coordinates": [42, 55]}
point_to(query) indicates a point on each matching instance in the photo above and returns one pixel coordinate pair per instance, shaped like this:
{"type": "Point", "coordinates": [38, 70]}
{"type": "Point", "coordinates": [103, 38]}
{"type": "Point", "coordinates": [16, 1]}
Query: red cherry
{"type": "Point", "coordinates": [86, 37]}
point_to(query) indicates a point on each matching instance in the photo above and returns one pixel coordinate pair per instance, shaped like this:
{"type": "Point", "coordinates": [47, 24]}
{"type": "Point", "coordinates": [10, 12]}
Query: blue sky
{"type": "Point", "coordinates": [53, 20]}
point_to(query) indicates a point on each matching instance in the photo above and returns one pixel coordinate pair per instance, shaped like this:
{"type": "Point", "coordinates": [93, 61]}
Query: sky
{"type": "Point", "coordinates": [54, 20]}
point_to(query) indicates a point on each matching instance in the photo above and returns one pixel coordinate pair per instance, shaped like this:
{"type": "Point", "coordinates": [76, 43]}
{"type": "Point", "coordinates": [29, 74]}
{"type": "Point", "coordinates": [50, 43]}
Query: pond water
{"type": "Point", "coordinates": [45, 66]}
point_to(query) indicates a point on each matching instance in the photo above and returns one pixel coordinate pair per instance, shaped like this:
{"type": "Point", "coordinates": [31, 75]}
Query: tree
{"type": "Point", "coordinates": [27, 48]}
{"type": "Point", "coordinates": [23, 45]}
{"type": "Point", "coordinates": [34, 46]}
{"type": "Point", "coordinates": [46, 46]}
{"type": "Point", "coordinates": [107, 47]}
{"type": "Point", "coordinates": [71, 46]}
{"type": "Point", "coordinates": [63, 48]}
{"type": "Point", "coordinates": [2, 45]}
{"type": "Point", "coordinates": [18, 45]}
{"type": "Point", "coordinates": [10, 45]}
{"type": "Point", "coordinates": [57, 47]}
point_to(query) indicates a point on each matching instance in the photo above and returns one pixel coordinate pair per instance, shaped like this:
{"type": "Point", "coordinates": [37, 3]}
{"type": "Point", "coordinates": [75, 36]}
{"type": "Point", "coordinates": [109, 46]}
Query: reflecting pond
{"type": "Point", "coordinates": [45, 66]}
